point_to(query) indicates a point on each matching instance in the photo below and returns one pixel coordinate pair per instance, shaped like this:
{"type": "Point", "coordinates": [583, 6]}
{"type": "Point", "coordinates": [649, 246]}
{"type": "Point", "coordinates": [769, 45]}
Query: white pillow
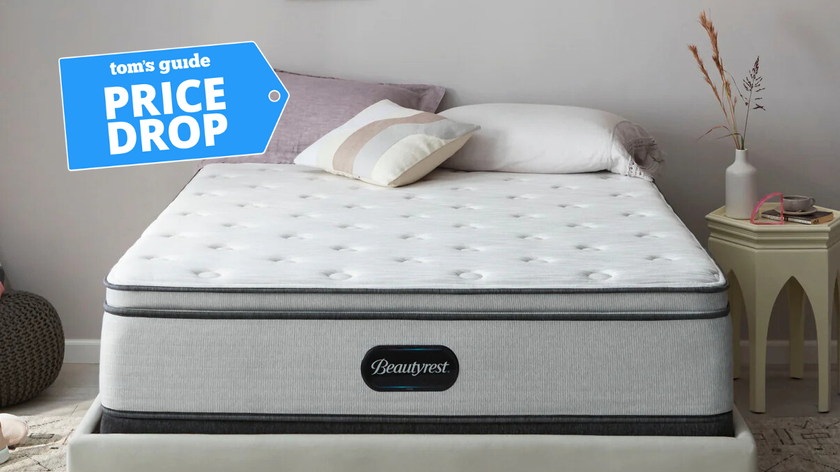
{"type": "Point", "coordinates": [552, 139]}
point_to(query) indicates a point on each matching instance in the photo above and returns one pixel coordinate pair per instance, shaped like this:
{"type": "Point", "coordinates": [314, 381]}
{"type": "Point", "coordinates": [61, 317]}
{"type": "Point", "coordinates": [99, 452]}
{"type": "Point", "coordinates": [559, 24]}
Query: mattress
{"type": "Point", "coordinates": [281, 299]}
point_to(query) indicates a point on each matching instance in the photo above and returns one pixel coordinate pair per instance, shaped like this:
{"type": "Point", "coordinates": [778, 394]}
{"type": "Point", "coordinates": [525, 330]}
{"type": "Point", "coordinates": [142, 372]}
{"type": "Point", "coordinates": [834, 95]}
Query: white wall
{"type": "Point", "coordinates": [60, 232]}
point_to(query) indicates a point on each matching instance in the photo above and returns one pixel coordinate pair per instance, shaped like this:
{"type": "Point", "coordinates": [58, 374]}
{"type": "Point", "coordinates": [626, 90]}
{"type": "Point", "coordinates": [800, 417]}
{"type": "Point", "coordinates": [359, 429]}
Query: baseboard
{"type": "Point", "coordinates": [777, 352]}
{"type": "Point", "coordinates": [86, 351]}
{"type": "Point", "coordinates": [81, 351]}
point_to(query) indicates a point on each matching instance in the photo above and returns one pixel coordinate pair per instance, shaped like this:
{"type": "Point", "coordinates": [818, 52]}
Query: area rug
{"type": "Point", "coordinates": [45, 448]}
{"type": "Point", "coordinates": [797, 444]}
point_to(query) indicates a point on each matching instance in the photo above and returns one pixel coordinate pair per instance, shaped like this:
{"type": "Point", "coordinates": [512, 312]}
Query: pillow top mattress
{"type": "Point", "coordinates": [280, 299]}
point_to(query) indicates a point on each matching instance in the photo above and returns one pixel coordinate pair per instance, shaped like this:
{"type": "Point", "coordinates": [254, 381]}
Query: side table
{"type": "Point", "coordinates": [759, 262]}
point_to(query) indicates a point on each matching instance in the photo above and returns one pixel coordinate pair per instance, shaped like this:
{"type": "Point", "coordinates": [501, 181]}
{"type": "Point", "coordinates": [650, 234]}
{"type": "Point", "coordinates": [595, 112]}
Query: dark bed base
{"type": "Point", "coordinates": [191, 423]}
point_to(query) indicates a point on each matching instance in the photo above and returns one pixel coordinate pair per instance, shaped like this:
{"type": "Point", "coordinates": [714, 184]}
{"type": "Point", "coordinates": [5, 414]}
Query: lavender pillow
{"type": "Point", "coordinates": [318, 105]}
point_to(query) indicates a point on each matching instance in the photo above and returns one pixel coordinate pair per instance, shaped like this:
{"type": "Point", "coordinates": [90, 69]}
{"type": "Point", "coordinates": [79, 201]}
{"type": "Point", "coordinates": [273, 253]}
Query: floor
{"type": "Point", "coordinates": [787, 397]}
{"type": "Point", "coordinates": [71, 394]}
{"type": "Point", "coordinates": [76, 387]}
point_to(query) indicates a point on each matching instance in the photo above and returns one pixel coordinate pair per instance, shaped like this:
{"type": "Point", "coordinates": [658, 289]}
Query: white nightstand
{"type": "Point", "coordinates": [761, 260]}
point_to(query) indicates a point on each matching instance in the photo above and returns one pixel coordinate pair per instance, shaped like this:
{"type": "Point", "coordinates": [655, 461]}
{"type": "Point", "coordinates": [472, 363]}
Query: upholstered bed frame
{"type": "Point", "coordinates": [90, 451]}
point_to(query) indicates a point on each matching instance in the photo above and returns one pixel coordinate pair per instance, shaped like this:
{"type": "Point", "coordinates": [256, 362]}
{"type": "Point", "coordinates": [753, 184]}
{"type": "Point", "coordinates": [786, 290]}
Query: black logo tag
{"type": "Point", "coordinates": [410, 368]}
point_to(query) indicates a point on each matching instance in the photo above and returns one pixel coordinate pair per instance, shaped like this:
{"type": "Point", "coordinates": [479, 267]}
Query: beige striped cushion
{"type": "Point", "coordinates": [388, 145]}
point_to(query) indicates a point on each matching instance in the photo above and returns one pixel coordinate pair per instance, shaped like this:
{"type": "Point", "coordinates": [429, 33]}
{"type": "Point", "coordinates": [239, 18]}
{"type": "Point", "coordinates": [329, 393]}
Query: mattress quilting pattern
{"type": "Point", "coordinates": [245, 226]}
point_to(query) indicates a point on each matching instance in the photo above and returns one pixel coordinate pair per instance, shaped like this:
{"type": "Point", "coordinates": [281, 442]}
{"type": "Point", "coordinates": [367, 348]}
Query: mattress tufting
{"type": "Point", "coordinates": [574, 303]}
{"type": "Point", "coordinates": [285, 229]}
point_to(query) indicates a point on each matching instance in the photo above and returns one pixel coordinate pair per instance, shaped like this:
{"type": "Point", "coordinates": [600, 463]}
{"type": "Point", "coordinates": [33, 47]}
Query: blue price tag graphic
{"type": "Point", "coordinates": [169, 105]}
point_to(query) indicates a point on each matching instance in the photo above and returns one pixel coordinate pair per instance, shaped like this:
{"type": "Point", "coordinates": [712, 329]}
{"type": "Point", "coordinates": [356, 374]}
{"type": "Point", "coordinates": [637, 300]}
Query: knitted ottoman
{"type": "Point", "coordinates": [31, 346]}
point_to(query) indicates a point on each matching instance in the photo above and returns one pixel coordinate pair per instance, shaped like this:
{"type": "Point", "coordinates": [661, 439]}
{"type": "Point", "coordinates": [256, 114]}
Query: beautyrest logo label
{"type": "Point", "coordinates": [169, 105]}
{"type": "Point", "coordinates": [382, 367]}
{"type": "Point", "coordinates": [410, 368]}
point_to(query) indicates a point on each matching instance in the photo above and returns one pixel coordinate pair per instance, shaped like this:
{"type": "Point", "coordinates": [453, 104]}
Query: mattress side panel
{"type": "Point", "coordinates": [641, 304]}
{"type": "Point", "coordinates": [283, 366]}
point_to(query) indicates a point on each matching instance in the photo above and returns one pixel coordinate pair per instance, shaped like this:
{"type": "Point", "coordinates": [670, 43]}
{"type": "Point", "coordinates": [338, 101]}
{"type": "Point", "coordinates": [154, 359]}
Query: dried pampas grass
{"type": "Point", "coordinates": [724, 96]}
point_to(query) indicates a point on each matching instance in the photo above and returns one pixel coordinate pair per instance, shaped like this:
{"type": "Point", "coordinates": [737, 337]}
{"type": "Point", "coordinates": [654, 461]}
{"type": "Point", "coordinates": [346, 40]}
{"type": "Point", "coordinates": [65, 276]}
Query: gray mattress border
{"type": "Point", "coordinates": [118, 421]}
{"type": "Point", "coordinates": [432, 316]}
{"type": "Point", "coordinates": [430, 291]}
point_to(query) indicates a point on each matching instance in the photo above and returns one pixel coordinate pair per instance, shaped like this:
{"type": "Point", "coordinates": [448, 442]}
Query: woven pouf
{"type": "Point", "coordinates": [31, 346]}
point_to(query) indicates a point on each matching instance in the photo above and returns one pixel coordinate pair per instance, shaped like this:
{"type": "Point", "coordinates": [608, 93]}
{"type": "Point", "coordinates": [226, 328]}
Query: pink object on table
{"type": "Point", "coordinates": [758, 207]}
{"type": "Point", "coordinates": [2, 289]}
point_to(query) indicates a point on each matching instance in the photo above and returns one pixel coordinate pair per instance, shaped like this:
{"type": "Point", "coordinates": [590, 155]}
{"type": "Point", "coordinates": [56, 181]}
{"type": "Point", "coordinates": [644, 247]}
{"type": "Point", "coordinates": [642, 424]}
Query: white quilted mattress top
{"type": "Point", "coordinates": [290, 227]}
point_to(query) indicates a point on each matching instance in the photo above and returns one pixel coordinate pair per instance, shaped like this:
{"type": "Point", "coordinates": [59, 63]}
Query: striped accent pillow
{"type": "Point", "coordinates": [388, 145]}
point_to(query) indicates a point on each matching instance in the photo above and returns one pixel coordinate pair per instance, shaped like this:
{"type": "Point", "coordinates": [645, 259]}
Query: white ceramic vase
{"type": "Point", "coordinates": [741, 187]}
